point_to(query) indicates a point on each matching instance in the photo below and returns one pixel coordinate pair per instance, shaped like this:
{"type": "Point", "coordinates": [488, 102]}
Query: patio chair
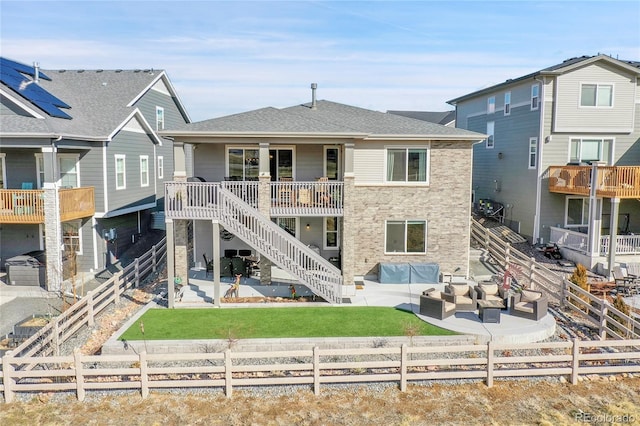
{"type": "Point", "coordinates": [464, 296]}
{"type": "Point", "coordinates": [436, 304]}
{"type": "Point", "coordinates": [208, 264]}
{"type": "Point", "coordinates": [625, 283]}
{"type": "Point", "coordinates": [529, 304]}
{"type": "Point", "coordinates": [491, 291]}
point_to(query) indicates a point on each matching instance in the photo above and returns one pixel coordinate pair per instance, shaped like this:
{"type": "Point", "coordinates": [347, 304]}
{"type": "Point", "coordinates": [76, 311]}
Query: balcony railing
{"type": "Point", "coordinates": [27, 206]}
{"type": "Point", "coordinates": [578, 241]}
{"type": "Point", "coordinates": [323, 198]}
{"type": "Point", "coordinates": [611, 181]}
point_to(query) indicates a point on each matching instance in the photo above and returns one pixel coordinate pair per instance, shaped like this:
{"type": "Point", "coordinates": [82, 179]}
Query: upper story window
{"type": "Point", "coordinates": [121, 172]}
{"type": "Point", "coordinates": [491, 105]}
{"type": "Point", "coordinates": [490, 129]}
{"type": "Point", "coordinates": [159, 118]}
{"type": "Point", "coordinates": [535, 96]}
{"type": "Point", "coordinates": [69, 170]}
{"type": "Point", "coordinates": [596, 95]}
{"type": "Point", "coordinates": [407, 164]}
{"type": "Point", "coordinates": [144, 170]}
{"type": "Point", "coordinates": [243, 163]}
{"type": "Point", "coordinates": [332, 162]}
{"type": "Point", "coordinates": [3, 176]}
{"type": "Point", "coordinates": [405, 236]}
{"type": "Point", "coordinates": [590, 149]}
{"type": "Point", "coordinates": [533, 152]}
{"type": "Point", "coordinates": [507, 103]}
{"type": "Point", "coordinates": [160, 167]}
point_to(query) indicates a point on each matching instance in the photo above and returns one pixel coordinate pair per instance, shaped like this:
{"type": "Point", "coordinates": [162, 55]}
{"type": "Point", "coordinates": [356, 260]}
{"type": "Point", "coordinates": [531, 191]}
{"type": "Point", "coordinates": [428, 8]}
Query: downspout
{"type": "Point", "coordinates": [536, 217]}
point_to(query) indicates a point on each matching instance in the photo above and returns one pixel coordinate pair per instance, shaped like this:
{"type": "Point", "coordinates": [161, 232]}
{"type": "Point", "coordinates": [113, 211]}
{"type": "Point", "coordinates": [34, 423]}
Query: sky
{"type": "Point", "coordinates": [230, 57]}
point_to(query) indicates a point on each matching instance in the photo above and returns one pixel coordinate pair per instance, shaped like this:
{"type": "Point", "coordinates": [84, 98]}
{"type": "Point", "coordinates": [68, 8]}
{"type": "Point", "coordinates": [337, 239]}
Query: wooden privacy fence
{"type": "Point", "coordinates": [48, 339]}
{"type": "Point", "coordinates": [316, 367]}
{"type": "Point", "coordinates": [609, 321]}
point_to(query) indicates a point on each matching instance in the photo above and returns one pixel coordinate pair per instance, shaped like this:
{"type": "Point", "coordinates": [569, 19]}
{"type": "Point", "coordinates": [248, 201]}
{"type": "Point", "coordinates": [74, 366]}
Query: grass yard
{"type": "Point", "coordinates": [252, 323]}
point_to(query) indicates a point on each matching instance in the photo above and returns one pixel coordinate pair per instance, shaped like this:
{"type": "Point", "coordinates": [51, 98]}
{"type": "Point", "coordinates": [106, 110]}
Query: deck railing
{"type": "Point", "coordinates": [611, 181]}
{"type": "Point", "coordinates": [27, 205]}
{"type": "Point", "coordinates": [307, 198]}
{"type": "Point", "coordinates": [578, 241]}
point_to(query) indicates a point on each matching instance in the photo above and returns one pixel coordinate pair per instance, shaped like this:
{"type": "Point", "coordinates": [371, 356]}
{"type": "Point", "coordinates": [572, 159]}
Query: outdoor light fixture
{"type": "Point", "coordinates": [308, 226]}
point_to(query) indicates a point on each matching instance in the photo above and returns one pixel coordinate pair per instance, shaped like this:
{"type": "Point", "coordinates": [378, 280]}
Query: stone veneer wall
{"type": "Point", "coordinates": [445, 204]}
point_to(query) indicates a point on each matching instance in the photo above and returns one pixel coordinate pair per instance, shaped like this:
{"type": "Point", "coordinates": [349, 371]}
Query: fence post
{"type": "Point", "coordinates": [228, 375]}
{"type": "Point", "coordinates": [137, 269]}
{"type": "Point", "coordinates": [532, 267]}
{"type": "Point", "coordinates": [316, 370]}
{"type": "Point", "coordinates": [403, 367]}
{"type": "Point", "coordinates": [575, 362]}
{"type": "Point", "coordinates": [563, 292]}
{"type": "Point", "coordinates": [507, 255]}
{"type": "Point", "coordinates": [90, 314]}
{"type": "Point", "coordinates": [490, 364]}
{"type": "Point", "coordinates": [77, 364]}
{"type": "Point", "coordinates": [56, 338]}
{"type": "Point", "coordinates": [144, 375]}
{"type": "Point", "coordinates": [153, 258]}
{"type": "Point", "coordinates": [603, 320]}
{"type": "Point", "coordinates": [7, 377]}
{"type": "Point", "coordinates": [116, 287]}
{"type": "Point", "coordinates": [487, 239]}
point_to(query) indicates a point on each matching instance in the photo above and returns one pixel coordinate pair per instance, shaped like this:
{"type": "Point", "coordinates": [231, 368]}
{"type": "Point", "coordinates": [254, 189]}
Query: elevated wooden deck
{"type": "Point", "coordinates": [611, 181]}
{"type": "Point", "coordinates": [20, 206]}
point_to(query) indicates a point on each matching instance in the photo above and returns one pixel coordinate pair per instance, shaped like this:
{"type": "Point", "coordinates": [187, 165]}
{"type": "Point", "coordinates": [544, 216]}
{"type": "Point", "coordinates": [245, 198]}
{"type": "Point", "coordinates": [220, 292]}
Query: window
{"type": "Point", "coordinates": [243, 163]}
{"type": "Point", "coordinates": [71, 237]}
{"type": "Point", "coordinates": [69, 174]}
{"type": "Point", "coordinates": [535, 96]}
{"type": "Point", "coordinates": [40, 169]}
{"type": "Point", "coordinates": [160, 167]}
{"type": "Point", "coordinates": [491, 105]}
{"type": "Point", "coordinates": [490, 137]}
{"type": "Point", "coordinates": [596, 95]}
{"type": "Point", "coordinates": [3, 176]}
{"type": "Point", "coordinates": [281, 163]}
{"type": "Point", "coordinates": [159, 118]}
{"type": "Point", "coordinates": [121, 173]}
{"type": "Point", "coordinates": [289, 224]}
{"type": "Point", "coordinates": [332, 162]}
{"type": "Point", "coordinates": [577, 212]}
{"type": "Point", "coordinates": [331, 238]}
{"type": "Point", "coordinates": [144, 170]}
{"type": "Point", "coordinates": [507, 103]}
{"type": "Point", "coordinates": [588, 150]}
{"type": "Point", "coordinates": [406, 236]}
{"type": "Point", "coordinates": [407, 164]}
{"type": "Point", "coordinates": [533, 152]}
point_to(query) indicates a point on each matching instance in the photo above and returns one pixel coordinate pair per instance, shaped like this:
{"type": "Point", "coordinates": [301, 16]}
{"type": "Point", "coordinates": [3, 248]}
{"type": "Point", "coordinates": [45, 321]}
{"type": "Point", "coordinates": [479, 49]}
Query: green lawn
{"type": "Point", "coordinates": [248, 323]}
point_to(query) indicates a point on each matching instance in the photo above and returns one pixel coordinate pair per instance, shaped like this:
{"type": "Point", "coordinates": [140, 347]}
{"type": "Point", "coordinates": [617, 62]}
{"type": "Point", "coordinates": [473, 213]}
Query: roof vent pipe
{"type": "Point", "coordinates": [314, 86]}
{"type": "Point", "coordinates": [36, 72]}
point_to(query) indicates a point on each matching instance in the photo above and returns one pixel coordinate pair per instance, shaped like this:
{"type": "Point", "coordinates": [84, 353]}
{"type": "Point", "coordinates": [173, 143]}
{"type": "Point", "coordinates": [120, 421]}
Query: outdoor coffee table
{"type": "Point", "coordinates": [489, 311]}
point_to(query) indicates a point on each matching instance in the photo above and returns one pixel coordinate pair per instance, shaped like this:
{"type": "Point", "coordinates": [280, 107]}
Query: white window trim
{"type": "Point", "coordinates": [144, 159]}
{"type": "Point", "coordinates": [533, 149]}
{"type": "Point", "coordinates": [39, 161]}
{"type": "Point", "coordinates": [160, 167]}
{"type": "Point", "coordinates": [566, 212]}
{"type": "Point", "coordinates": [324, 159]}
{"type": "Point", "coordinates": [76, 157]}
{"type": "Point", "coordinates": [491, 106]}
{"type": "Point", "coordinates": [600, 138]}
{"type": "Point", "coordinates": [158, 127]}
{"type": "Point", "coordinates": [79, 252]}
{"type": "Point", "coordinates": [533, 87]}
{"type": "Point", "coordinates": [124, 171]}
{"type": "Point", "coordinates": [405, 253]}
{"type": "Point", "coordinates": [3, 164]}
{"type": "Point", "coordinates": [491, 124]}
{"type": "Point", "coordinates": [507, 105]}
{"type": "Point", "coordinates": [613, 89]}
{"type": "Point", "coordinates": [325, 231]}
{"type": "Point", "coordinates": [406, 183]}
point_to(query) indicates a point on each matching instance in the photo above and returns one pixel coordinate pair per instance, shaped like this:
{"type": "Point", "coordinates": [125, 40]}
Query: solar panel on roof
{"type": "Point", "coordinates": [12, 75]}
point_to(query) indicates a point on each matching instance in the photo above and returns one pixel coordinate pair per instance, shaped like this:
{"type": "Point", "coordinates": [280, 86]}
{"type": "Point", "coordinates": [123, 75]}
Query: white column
{"type": "Point", "coordinates": [216, 263]}
{"type": "Point", "coordinates": [613, 232]}
{"type": "Point", "coordinates": [170, 263]}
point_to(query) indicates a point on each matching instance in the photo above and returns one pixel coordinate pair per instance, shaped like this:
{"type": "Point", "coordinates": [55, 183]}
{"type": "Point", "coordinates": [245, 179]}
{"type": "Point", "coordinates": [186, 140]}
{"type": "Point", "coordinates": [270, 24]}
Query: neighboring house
{"type": "Point", "coordinates": [547, 130]}
{"type": "Point", "coordinates": [325, 191]}
{"type": "Point", "coordinates": [446, 118]}
{"type": "Point", "coordinates": [81, 163]}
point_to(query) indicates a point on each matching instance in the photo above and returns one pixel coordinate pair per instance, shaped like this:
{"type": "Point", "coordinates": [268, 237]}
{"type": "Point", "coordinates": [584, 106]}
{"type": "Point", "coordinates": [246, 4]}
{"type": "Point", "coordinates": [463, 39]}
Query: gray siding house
{"type": "Point", "coordinates": [328, 192]}
{"type": "Point", "coordinates": [552, 134]}
{"type": "Point", "coordinates": [81, 163]}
